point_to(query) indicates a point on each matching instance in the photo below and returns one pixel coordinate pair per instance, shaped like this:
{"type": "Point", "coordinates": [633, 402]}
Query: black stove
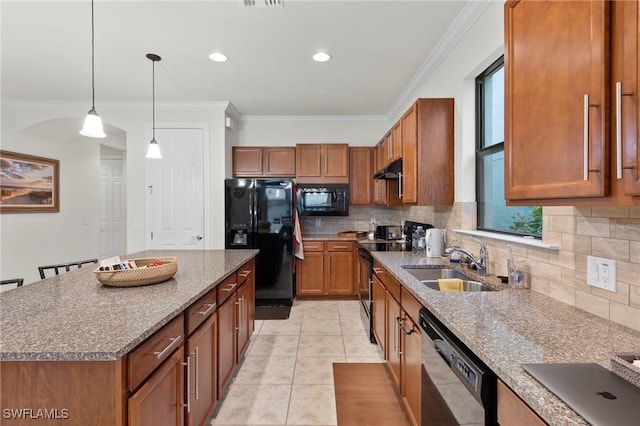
{"type": "Point", "coordinates": [383, 246]}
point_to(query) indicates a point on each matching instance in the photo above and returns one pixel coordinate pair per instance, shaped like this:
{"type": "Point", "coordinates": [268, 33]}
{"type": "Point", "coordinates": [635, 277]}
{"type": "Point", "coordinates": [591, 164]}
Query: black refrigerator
{"type": "Point", "coordinates": [259, 214]}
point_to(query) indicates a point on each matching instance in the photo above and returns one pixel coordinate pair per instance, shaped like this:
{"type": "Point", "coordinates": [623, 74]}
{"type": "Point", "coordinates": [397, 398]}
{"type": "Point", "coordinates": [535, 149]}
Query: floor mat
{"type": "Point", "coordinates": [272, 312]}
{"type": "Point", "coordinates": [365, 395]}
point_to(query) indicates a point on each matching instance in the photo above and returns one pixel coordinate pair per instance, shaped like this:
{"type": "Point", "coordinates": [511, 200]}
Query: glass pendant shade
{"type": "Point", "coordinates": [93, 125]}
{"type": "Point", "coordinates": [153, 151]}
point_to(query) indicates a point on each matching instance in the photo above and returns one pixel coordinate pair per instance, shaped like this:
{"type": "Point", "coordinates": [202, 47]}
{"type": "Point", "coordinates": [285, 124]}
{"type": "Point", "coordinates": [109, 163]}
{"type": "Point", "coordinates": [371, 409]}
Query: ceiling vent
{"type": "Point", "coordinates": [263, 3]}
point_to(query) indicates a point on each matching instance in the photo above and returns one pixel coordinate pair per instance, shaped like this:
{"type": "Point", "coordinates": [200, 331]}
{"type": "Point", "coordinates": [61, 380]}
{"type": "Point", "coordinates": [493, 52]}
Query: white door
{"type": "Point", "coordinates": [112, 208]}
{"type": "Point", "coordinates": [175, 191]}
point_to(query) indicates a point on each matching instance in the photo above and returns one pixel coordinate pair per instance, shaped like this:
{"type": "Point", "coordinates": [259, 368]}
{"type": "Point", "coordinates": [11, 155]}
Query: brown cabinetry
{"type": "Point", "coordinates": [158, 402]}
{"type": "Point", "coordinates": [250, 161]}
{"type": "Point", "coordinates": [395, 319]}
{"type": "Point", "coordinates": [587, 150]}
{"type": "Point", "coordinates": [396, 141]}
{"type": "Point", "coordinates": [427, 153]}
{"type": "Point", "coordinates": [322, 163]}
{"type": "Point", "coordinates": [327, 269]}
{"type": "Point", "coordinates": [512, 411]}
{"type": "Point", "coordinates": [361, 183]}
{"type": "Point", "coordinates": [201, 389]}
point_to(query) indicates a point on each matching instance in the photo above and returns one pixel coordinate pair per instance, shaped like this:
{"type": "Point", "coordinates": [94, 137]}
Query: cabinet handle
{"type": "Point", "coordinates": [619, 129]}
{"type": "Point", "coordinates": [174, 342]}
{"type": "Point", "coordinates": [197, 373]}
{"type": "Point", "coordinates": [188, 365]}
{"type": "Point", "coordinates": [230, 288]}
{"type": "Point", "coordinates": [400, 321]}
{"type": "Point", "coordinates": [339, 247]}
{"type": "Point", "coordinates": [245, 274]}
{"type": "Point", "coordinates": [378, 271]}
{"type": "Point", "coordinates": [585, 138]}
{"type": "Point", "coordinates": [210, 307]}
{"type": "Point", "coordinates": [400, 185]}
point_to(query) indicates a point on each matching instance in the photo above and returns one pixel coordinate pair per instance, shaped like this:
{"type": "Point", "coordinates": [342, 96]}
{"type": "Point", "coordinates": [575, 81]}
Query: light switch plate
{"type": "Point", "coordinates": [601, 273]}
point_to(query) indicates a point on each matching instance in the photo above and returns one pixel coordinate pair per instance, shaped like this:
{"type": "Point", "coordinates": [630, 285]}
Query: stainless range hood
{"type": "Point", "coordinates": [391, 171]}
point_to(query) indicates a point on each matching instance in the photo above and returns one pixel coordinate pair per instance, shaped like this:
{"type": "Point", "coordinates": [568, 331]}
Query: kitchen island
{"type": "Point", "coordinates": [68, 343]}
{"type": "Point", "coordinates": [510, 327]}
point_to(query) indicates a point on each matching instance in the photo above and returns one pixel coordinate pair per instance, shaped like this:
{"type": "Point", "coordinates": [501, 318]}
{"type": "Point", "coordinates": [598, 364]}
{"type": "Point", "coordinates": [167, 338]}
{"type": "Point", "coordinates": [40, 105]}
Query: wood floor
{"type": "Point", "coordinates": [365, 395]}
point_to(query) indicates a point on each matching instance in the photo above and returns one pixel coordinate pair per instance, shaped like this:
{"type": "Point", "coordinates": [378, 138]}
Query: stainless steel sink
{"type": "Point", "coordinates": [430, 277]}
{"type": "Point", "coordinates": [435, 273]}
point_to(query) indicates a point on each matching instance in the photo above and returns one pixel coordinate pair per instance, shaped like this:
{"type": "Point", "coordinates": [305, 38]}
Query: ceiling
{"type": "Point", "coordinates": [378, 49]}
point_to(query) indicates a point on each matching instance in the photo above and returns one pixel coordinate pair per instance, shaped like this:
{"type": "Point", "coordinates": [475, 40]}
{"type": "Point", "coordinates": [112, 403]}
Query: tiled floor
{"type": "Point", "coordinates": [287, 375]}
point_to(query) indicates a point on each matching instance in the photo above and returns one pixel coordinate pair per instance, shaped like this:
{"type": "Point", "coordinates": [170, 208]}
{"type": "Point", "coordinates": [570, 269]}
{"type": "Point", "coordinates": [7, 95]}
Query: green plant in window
{"type": "Point", "coordinates": [529, 222]}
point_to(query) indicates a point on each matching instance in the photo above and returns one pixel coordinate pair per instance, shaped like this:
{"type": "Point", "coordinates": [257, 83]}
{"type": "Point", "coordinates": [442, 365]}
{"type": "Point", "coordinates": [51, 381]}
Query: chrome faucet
{"type": "Point", "coordinates": [480, 263]}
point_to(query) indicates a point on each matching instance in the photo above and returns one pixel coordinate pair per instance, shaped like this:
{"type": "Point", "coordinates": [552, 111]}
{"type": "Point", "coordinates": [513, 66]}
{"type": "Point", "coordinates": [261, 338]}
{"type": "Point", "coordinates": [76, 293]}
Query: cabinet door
{"type": "Point", "coordinates": [411, 368]}
{"type": "Point", "coordinates": [339, 273]}
{"type": "Point", "coordinates": [247, 161]}
{"type": "Point", "coordinates": [310, 274]}
{"type": "Point", "coordinates": [512, 411]}
{"type": "Point", "coordinates": [308, 161]}
{"type": "Point", "coordinates": [158, 402]}
{"type": "Point", "coordinates": [408, 190]}
{"type": "Point", "coordinates": [201, 369]}
{"type": "Point", "coordinates": [627, 81]}
{"type": "Point", "coordinates": [227, 343]}
{"type": "Point", "coordinates": [393, 337]}
{"type": "Point", "coordinates": [379, 313]}
{"type": "Point", "coordinates": [243, 303]}
{"type": "Point", "coordinates": [381, 154]}
{"type": "Point", "coordinates": [280, 161]}
{"type": "Point", "coordinates": [361, 175]}
{"type": "Point", "coordinates": [388, 139]}
{"type": "Point", "coordinates": [556, 104]}
{"type": "Point", "coordinates": [336, 162]}
{"type": "Point", "coordinates": [396, 150]}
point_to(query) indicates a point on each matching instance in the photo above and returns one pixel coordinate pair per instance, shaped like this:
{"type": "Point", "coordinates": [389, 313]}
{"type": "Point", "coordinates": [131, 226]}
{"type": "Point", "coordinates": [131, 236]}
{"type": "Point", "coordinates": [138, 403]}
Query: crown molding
{"type": "Point", "coordinates": [463, 22]}
{"type": "Point", "coordinates": [299, 118]}
{"type": "Point", "coordinates": [114, 105]}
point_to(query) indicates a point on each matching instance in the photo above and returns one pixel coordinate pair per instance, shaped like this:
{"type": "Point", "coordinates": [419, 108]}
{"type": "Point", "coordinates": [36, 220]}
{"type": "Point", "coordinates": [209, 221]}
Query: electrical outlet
{"type": "Point", "coordinates": [373, 221]}
{"type": "Point", "coordinates": [601, 273]}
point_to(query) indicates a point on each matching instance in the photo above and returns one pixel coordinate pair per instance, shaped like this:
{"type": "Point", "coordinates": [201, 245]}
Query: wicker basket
{"type": "Point", "coordinates": [139, 276]}
{"type": "Point", "coordinates": [622, 365]}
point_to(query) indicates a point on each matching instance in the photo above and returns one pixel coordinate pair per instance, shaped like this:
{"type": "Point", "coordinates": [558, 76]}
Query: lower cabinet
{"type": "Point", "coordinates": [328, 269]}
{"type": "Point", "coordinates": [201, 392]}
{"type": "Point", "coordinates": [158, 402]}
{"type": "Point", "coordinates": [512, 411]}
{"type": "Point", "coordinates": [395, 319]}
{"type": "Point", "coordinates": [227, 343]}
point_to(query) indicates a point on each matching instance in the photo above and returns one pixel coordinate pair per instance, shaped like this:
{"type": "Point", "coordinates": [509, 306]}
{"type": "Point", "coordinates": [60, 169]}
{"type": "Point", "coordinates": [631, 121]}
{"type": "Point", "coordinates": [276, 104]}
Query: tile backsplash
{"type": "Point", "coordinates": [610, 232]}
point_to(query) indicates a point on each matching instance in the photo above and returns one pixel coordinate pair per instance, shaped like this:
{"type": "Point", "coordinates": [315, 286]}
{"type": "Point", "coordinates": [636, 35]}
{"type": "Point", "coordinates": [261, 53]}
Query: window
{"type": "Point", "coordinates": [493, 214]}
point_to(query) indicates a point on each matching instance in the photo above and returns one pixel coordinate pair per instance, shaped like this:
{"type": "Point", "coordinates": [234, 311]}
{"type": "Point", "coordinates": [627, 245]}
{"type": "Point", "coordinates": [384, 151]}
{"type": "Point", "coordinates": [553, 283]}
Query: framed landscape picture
{"type": "Point", "coordinates": [28, 184]}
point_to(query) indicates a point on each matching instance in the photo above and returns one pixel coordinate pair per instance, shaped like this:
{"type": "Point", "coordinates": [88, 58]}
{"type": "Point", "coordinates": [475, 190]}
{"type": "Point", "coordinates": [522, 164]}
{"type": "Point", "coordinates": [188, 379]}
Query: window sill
{"type": "Point", "coordinates": [531, 242]}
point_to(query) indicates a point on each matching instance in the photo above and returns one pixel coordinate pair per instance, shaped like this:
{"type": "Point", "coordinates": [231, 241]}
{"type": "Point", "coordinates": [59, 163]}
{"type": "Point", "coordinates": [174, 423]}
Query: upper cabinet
{"type": "Point", "coordinates": [322, 163]}
{"type": "Point", "coordinates": [571, 116]}
{"type": "Point", "coordinates": [250, 161]}
{"type": "Point", "coordinates": [361, 184]}
{"type": "Point", "coordinates": [427, 153]}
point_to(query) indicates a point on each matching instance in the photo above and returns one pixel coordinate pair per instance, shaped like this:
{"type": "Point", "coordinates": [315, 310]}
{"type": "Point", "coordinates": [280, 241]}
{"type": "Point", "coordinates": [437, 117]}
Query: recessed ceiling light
{"type": "Point", "coordinates": [218, 57]}
{"type": "Point", "coordinates": [321, 57]}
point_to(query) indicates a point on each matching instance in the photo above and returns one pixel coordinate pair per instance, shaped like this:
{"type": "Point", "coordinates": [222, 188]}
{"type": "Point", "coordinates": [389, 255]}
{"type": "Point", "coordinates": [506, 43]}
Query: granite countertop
{"type": "Point", "coordinates": [511, 327]}
{"type": "Point", "coordinates": [72, 316]}
{"type": "Point", "coordinates": [329, 237]}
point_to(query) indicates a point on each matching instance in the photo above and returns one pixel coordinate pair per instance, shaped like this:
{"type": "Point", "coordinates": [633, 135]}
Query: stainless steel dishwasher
{"type": "Point", "coordinates": [457, 387]}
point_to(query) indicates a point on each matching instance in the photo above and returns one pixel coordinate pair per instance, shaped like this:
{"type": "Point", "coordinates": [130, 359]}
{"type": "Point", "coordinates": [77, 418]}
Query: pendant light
{"type": "Point", "coordinates": [92, 123]}
{"type": "Point", "coordinates": [153, 151]}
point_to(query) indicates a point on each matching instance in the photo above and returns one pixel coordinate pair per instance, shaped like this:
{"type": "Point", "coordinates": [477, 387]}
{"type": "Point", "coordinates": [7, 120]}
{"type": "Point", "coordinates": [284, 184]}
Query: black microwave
{"type": "Point", "coordinates": [322, 199]}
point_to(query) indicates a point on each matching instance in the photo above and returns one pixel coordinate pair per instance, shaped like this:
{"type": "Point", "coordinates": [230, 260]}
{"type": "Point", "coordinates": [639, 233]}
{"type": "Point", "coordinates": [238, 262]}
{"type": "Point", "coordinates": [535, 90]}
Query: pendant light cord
{"type": "Point", "coordinates": [93, 84]}
{"type": "Point", "coordinates": [153, 99]}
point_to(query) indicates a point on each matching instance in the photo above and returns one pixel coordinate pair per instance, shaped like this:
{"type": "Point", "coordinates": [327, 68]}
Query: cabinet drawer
{"type": "Point", "coordinates": [313, 246]}
{"type": "Point", "coordinates": [197, 313]}
{"type": "Point", "coordinates": [226, 288]}
{"type": "Point", "coordinates": [154, 351]}
{"type": "Point", "coordinates": [410, 304]}
{"type": "Point", "coordinates": [245, 272]}
{"type": "Point", "coordinates": [387, 280]}
{"type": "Point", "coordinates": [339, 246]}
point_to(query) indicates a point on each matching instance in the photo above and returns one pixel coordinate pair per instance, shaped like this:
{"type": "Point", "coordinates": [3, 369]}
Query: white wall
{"type": "Point", "coordinates": [287, 131]}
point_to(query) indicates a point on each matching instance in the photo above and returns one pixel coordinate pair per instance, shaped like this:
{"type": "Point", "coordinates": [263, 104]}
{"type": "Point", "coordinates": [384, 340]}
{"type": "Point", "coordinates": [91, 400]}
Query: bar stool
{"type": "Point", "coordinates": [17, 281]}
{"type": "Point", "coordinates": [64, 267]}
